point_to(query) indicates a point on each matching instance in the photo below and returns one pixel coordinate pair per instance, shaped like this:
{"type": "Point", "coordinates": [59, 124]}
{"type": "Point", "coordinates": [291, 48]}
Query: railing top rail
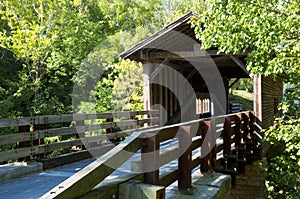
{"type": "Point", "coordinates": [47, 119]}
{"type": "Point", "coordinates": [190, 123]}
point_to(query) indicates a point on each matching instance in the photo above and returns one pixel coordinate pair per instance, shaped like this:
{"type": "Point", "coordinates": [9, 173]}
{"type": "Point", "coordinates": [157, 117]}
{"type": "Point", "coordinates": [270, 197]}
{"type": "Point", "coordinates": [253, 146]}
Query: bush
{"type": "Point", "coordinates": [283, 167]}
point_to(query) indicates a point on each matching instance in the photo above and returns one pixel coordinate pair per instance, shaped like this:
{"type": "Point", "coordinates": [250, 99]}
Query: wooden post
{"type": "Point", "coordinates": [205, 165]}
{"type": "Point", "coordinates": [213, 154]}
{"type": "Point", "coordinates": [80, 135]}
{"type": "Point", "coordinates": [240, 148]}
{"type": "Point", "coordinates": [247, 139]}
{"type": "Point", "coordinates": [132, 126]}
{"type": "Point", "coordinates": [184, 161]}
{"type": "Point", "coordinates": [237, 131]}
{"type": "Point", "coordinates": [109, 130]}
{"type": "Point", "coordinates": [226, 140]}
{"type": "Point", "coordinates": [25, 143]}
{"type": "Point", "coordinates": [38, 141]}
{"type": "Point", "coordinates": [257, 153]}
{"type": "Point", "coordinates": [150, 154]}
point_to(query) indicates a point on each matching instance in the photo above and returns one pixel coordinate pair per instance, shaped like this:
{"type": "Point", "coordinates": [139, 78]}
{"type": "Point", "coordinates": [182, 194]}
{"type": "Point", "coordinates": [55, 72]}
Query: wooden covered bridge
{"type": "Point", "coordinates": [186, 125]}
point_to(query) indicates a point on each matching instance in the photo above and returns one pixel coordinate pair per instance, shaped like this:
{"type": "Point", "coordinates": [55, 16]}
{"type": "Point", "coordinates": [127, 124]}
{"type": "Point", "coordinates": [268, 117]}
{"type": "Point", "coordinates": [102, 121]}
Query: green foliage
{"type": "Point", "coordinates": [123, 90]}
{"type": "Point", "coordinates": [269, 29]}
{"type": "Point", "coordinates": [245, 84]}
{"type": "Point", "coordinates": [284, 159]}
{"type": "Point", "coordinates": [291, 105]}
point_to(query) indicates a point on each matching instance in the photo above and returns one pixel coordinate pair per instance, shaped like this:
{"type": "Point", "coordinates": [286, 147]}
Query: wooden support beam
{"type": "Point", "coordinates": [239, 63]}
{"type": "Point", "coordinates": [205, 165]}
{"type": "Point", "coordinates": [80, 134]}
{"type": "Point", "coordinates": [227, 137]}
{"type": "Point", "coordinates": [24, 144]}
{"type": "Point", "coordinates": [39, 141]}
{"type": "Point", "coordinates": [237, 131]}
{"type": "Point", "coordinates": [185, 160]}
{"type": "Point", "coordinates": [240, 148]}
{"type": "Point", "coordinates": [150, 154]}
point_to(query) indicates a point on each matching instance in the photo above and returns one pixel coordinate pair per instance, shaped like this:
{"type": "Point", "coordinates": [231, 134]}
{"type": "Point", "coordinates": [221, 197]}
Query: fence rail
{"type": "Point", "coordinates": [230, 141]}
{"type": "Point", "coordinates": [37, 137]}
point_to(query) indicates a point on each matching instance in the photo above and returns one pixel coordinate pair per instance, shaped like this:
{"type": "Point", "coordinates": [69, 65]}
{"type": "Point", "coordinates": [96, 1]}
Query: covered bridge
{"type": "Point", "coordinates": [186, 82]}
{"type": "Point", "coordinates": [181, 77]}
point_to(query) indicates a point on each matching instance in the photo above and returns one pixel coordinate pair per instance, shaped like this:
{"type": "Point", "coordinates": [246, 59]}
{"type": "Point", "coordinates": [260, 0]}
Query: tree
{"type": "Point", "coordinates": [51, 39]}
{"type": "Point", "coordinates": [269, 29]}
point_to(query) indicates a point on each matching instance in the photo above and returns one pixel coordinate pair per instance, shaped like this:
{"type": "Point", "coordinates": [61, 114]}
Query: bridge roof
{"type": "Point", "coordinates": [177, 43]}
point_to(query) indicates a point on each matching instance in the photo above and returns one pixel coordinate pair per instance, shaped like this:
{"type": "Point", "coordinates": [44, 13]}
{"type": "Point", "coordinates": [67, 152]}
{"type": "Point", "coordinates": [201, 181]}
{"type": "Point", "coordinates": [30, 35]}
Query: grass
{"type": "Point", "coordinates": [243, 97]}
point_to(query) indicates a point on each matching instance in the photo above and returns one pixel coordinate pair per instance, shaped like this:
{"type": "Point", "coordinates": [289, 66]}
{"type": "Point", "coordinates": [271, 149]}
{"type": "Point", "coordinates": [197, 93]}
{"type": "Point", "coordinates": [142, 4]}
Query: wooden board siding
{"type": "Point", "coordinates": [268, 93]}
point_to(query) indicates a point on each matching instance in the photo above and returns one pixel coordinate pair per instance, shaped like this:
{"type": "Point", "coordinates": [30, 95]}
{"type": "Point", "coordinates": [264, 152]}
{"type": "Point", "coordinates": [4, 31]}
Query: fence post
{"type": "Point", "coordinates": [24, 144]}
{"type": "Point", "coordinates": [184, 161]}
{"type": "Point", "coordinates": [80, 134]}
{"type": "Point", "coordinates": [205, 165]}
{"type": "Point", "coordinates": [227, 137]}
{"type": "Point", "coordinates": [240, 148]}
{"type": "Point", "coordinates": [213, 154]}
{"type": "Point", "coordinates": [247, 139]}
{"type": "Point", "coordinates": [150, 154]}
{"type": "Point", "coordinates": [254, 139]}
{"type": "Point", "coordinates": [38, 141]}
{"type": "Point", "coordinates": [109, 130]}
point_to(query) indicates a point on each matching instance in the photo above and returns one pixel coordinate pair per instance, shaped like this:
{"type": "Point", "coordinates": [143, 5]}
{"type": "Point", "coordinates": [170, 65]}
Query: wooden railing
{"type": "Point", "coordinates": [41, 137]}
{"type": "Point", "coordinates": [232, 141]}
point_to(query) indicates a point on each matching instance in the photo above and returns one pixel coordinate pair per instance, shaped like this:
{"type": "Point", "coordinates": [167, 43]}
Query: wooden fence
{"type": "Point", "coordinates": [233, 141]}
{"type": "Point", "coordinates": [42, 137]}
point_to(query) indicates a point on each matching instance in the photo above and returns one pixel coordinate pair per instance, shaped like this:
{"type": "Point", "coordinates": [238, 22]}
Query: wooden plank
{"type": "Point", "coordinates": [75, 156]}
{"type": "Point", "coordinates": [50, 163]}
{"type": "Point", "coordinates": [58, 145]}
{"type": "Point", "coordinates": [10, 122]}
{"type": "Point", "coordinates": [196, 143]}
{"type": "Point", "coordinates": [15, 137]}
{"type": "Point", "coordinates": [86, 179]}
{"type": "Point", "coordinates": [15, 154]}
{"type": "Point", "coordinates": [168, 178]}
{"type": "Point", "coordinates": [47, 119]}
{"type": "Point", "coordinates": [219, 148]}
{"type": "Point", "coordinates": [167, 156]}
{"type": "Point", "coordinates": [167, 133]}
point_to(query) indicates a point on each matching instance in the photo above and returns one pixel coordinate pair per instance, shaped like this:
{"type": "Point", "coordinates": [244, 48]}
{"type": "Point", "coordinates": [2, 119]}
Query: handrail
{"type": "Point", "coordinates": [240, 125]}
{"type": "Point", "coordinates": [32, 137]}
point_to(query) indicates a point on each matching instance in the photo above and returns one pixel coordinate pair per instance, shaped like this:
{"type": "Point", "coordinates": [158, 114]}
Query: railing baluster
{"type": "Point", "coordinates": [109, 130]}
{"type": "Point", "coordinates": [24, 143]}
{"type": "Point", "coordinates": [38, 141]}
{"type": "Point", "coordinates": [150, 154]}
{"type": "Point", "coordinates": [247, 139]}
{"type": "Point", "coordinates": [240, 148]}
{"type": "Point", "coordinates": [205, 166]}
{"type": "Point", "coordinates": [81, 134]}
{"type": "Point", "coordinates": [184, 161]}
{"type": "Point", "coordinates": [227, 137]}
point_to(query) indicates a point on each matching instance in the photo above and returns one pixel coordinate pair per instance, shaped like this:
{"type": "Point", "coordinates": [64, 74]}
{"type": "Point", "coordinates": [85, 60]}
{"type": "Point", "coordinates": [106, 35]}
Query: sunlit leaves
{"type": "Point", "coordinates": [268, 28]}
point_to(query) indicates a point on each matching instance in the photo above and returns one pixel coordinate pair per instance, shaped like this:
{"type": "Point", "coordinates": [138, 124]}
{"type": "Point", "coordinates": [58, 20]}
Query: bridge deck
{"type": "Point", "coordinates": [36, 185]}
